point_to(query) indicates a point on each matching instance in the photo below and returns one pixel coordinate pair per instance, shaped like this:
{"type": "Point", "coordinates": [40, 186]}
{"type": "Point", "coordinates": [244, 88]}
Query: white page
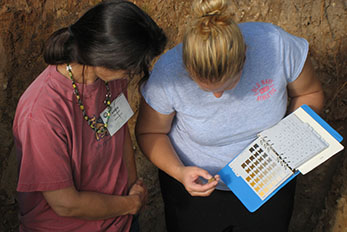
{"type": "Point", "coordinates": [294, 140]}
{"type": "Point", "coordinates": [333, 148]}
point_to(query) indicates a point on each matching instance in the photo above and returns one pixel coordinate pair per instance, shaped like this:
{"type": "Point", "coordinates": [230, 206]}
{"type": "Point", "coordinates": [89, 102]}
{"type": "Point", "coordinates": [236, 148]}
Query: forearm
{"type": "Point", "coordinates": [91, 205]}
{"type": "Point", "coordinates": [129, 159]}
{"type": "Point", "coordinates": [159, 150]}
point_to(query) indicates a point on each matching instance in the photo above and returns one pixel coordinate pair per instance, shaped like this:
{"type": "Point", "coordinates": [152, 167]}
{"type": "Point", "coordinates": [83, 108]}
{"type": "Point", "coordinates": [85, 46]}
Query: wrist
{"type": "Point", "coordinates": [135, 204]}
{"type": "Point", "coordinates": [178, 173]}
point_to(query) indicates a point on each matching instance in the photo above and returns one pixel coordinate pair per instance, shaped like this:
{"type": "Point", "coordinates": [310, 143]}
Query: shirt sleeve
{"type": "Point", "coordinates": [44, 161]}
{"type": "Point", "coordinates": [294, 53]}
{"type": "Point", "coordinates": [156, 91]}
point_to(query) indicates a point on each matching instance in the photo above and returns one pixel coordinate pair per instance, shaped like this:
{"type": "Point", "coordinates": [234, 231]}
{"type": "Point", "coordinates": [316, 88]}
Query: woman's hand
{"type": "Point", "coordinates": [139, 191]}
{"type": "Point", "coordinates": [191, 179]}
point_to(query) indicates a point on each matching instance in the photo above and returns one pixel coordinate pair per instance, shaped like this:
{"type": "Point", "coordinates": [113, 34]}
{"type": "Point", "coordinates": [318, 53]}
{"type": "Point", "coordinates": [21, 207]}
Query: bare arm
{"type": "Point", "coordinates": [306, 89]}
{"type": "Point", "coordinates": [129, 159]}
{"type": "Point", "coordinates": [69, 202]}
{"type": "Point", "coordinates": [151, 132]}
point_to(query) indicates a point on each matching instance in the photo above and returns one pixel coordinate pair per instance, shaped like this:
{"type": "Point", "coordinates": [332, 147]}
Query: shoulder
{"type": "Point", "coordinates": [172, 54]}
{"type": "Point", "coordinates": [44, 100]}
{"type": "Point", "coordinates": [171, 61]}
{"type": "Point", "coordinates": [269, 38]}
{"type": "Point", "coordinates": [265, 30]}
{"type": "Point", "coordinates": [34, 94]}
{"type": "Point", "coordinates": [259, 27]}
{"type": "Point", "coordinates": [169, 68]}
{"type": "Point", "coordinates": [259, 31]}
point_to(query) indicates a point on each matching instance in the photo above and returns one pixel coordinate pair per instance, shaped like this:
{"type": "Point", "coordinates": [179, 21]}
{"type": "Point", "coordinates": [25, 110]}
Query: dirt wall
{"type": "Point", "coordinates": [321, 199]}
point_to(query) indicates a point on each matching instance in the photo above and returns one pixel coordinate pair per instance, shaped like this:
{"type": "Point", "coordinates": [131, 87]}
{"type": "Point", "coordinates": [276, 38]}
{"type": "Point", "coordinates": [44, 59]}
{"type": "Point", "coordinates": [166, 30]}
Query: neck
{"type": "Point", "coordinates": [80, 75]}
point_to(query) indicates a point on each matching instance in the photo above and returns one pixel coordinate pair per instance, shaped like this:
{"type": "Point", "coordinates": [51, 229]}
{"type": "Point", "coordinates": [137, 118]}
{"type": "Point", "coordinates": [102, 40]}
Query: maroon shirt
{"type": "Point", "coordinates": [57, 149]}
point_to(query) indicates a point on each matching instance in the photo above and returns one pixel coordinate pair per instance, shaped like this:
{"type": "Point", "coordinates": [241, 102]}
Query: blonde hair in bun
{"type": "Point", "coordinates": [213, 46]}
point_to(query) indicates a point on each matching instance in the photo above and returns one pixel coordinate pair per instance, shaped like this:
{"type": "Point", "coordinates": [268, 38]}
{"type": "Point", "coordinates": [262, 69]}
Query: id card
{"type": "Point", "coordinates": [121, 112]}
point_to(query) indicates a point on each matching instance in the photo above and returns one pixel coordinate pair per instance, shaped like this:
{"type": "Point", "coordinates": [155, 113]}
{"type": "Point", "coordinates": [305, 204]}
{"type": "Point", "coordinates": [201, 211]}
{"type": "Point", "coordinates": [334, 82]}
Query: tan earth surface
{"type": "Point", "coordinates": [321, 198]}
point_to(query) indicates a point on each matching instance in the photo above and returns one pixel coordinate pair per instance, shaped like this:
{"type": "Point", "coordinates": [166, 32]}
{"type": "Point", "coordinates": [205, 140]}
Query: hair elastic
{"type": "Point", "coordinates": [210, 15]}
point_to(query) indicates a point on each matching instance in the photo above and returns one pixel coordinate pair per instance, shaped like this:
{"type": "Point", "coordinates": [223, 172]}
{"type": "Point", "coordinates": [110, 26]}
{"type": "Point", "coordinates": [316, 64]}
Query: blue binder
{"type": "Point", "coordinates": [242, 190]}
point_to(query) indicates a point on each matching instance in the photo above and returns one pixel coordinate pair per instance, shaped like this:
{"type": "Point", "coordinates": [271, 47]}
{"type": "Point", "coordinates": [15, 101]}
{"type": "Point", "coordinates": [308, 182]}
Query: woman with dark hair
{"type": "Point", "coordinates": [76, 164]}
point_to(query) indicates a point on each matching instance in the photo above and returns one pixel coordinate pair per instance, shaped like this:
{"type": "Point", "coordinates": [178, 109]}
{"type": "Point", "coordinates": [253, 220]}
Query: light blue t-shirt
{"type": "Point", "coordinates": [208, 132]}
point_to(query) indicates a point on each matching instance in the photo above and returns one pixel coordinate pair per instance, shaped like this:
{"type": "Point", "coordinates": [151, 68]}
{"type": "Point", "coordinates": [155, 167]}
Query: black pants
{"type": "Point", "coordinates": [222, 211]}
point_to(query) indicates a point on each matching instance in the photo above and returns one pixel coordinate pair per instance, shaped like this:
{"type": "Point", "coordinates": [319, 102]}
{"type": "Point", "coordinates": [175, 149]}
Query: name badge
{"type": "Point", "coordinates": [121, 112]}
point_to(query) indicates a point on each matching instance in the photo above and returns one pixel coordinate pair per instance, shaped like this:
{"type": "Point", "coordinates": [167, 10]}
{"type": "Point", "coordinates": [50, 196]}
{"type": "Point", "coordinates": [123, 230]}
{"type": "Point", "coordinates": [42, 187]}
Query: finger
{"type": "Point", "coordinates": [140, 188]}
{"type": "Point", "coordinates": [217, 178]}
{"type": "Point", "coordinates": [203, 187]}
{"type": "Point", "coordinates": [211, 179]}
{"type": "Point", "coordinates": [202, 194]}
{"type": "Point", "coordinates": [136, 188]}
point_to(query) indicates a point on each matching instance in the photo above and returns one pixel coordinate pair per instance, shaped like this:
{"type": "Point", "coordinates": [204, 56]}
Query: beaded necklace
{"type": "Point", "coordinates": [99, 128]}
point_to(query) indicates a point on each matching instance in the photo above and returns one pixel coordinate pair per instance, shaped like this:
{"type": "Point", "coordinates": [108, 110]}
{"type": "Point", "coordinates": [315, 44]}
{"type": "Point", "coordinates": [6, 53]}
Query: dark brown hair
{"type": "Point", "coordinates": [114, 34]}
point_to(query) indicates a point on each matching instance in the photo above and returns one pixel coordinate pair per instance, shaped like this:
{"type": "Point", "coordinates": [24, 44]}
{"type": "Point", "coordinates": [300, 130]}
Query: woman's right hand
{"type": "Point", "coordinates": [139, 191]}
{"type": "Point", "coordinates": [191, 179]}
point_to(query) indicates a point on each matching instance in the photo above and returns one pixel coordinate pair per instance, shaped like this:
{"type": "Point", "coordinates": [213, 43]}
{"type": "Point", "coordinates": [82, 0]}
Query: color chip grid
{"type": "Point", "coordinates": [262, 169]}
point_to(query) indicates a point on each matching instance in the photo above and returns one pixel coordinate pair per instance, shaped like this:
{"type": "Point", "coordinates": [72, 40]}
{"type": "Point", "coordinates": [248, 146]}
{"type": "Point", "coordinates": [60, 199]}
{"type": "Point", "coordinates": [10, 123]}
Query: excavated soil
{"type": "Point", "coordinates": [321, 196]}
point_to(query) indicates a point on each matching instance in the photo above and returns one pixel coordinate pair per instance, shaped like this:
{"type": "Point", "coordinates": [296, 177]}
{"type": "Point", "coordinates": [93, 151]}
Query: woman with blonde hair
{"type": "Point", "coordinates": [206, 100]}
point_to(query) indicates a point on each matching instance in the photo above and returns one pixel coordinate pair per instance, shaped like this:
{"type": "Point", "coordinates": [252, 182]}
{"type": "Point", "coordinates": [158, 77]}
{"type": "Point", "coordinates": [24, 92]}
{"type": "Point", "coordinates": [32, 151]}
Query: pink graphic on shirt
{"type": "Point", "coordinates": [264, 89]}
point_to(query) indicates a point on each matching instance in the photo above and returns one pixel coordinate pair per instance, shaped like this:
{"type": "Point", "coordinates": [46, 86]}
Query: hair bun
{"type": "Point", "coordinates": [205, 8]}
{"type": "Point", "coordinates": [213, 45]}
{"type": "Point", "coordinates": [210, 14]}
